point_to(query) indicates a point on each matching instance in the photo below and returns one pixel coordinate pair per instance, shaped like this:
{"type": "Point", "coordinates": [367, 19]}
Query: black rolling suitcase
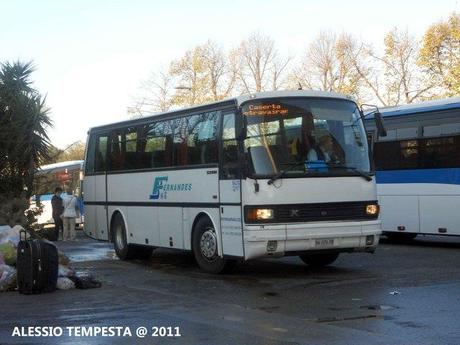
{"type": "Point", "coordinates": [37, 265]}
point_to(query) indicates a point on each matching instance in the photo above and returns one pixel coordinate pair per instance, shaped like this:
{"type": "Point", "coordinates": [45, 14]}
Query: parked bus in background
{"type": "Point", "coordinates": [67, 175]}
{"type": "Point", "coordinates": [261, 175]}
{"type": "Point", "coordinates": [418, 168]}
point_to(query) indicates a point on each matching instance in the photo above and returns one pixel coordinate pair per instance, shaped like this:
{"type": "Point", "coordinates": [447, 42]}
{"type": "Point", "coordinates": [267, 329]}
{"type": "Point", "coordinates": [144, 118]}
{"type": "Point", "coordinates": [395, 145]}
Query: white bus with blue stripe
{"type": "Point", "coordinates": [233, 180]}
{"type": "Point", "coordinates": [418, 168]}
{"type": "Point", "coordinates": [47, 178]}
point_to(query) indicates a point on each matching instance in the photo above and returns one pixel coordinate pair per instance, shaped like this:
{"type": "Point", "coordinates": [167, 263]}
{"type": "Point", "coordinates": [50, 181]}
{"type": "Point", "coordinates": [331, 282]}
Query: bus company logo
{"type": "Point", "coordinates": [161, 188]}
{"type": "Point", "coordinates": [158, 186]}
{"type": "Point", "coordinates": [295, 213]}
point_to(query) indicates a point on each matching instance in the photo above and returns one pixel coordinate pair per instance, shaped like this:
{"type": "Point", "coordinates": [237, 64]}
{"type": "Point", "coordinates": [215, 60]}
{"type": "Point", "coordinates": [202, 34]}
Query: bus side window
{"type": "Point", "coordinates": [91, 154]}
{"type": "Point", "coordinates": [387, 155]}
{"type": "Point", "coordinates": [130, 148]}
{"type": "Point", "coordinates": [157, 151]}
{"type": "Point", "coordinates": [201, 142]}
{"type": "Point", "coordinates": [101, 154]}
{"type": "Point", "coordinates": [229, 159]}
{"type": "Point", "coordinates": [116, 151]}
{"type": "Point", "coordinates": [180, 141]}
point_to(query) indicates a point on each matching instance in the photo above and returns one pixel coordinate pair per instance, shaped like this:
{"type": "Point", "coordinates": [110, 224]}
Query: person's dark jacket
{"type": "Point", "coordinates": [57, 205]}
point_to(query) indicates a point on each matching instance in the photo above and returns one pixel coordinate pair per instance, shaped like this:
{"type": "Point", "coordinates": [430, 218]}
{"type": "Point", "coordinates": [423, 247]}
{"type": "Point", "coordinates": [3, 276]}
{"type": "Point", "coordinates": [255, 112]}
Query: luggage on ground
{"type": "Point", "coordinates": [84, 280]}
{"type": "Point", "coordinates": [37, 265]}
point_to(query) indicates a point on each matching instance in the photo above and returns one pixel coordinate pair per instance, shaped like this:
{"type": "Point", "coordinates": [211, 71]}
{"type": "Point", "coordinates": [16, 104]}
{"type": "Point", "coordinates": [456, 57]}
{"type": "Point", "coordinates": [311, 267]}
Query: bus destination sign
{"type": "Point", "coordinates": [271, 109]}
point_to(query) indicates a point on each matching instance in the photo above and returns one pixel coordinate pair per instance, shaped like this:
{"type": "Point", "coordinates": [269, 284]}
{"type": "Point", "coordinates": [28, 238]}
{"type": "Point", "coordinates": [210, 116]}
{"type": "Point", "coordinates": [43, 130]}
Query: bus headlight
{"type": "Point", "coordinates": [260, 214]}
{"type": "Point", "coordinates": [372, 210]}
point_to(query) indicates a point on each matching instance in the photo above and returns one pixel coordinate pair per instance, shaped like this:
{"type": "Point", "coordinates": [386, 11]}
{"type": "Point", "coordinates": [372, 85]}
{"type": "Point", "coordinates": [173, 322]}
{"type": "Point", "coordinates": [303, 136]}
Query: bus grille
{"type": "Point", "coordinates": [323, 212]}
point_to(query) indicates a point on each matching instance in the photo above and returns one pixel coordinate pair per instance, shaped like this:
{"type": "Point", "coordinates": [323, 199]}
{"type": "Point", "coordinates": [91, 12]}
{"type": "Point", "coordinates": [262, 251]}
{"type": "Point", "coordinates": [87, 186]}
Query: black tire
{"type": "Point", "coordinates": [124, 250]}
{"type": "Point", "coordinates": [400, 237]}
{"type": "Point", "coordinates": [204, 246]}
{"type": "Point", "coordinates": [319, 260]}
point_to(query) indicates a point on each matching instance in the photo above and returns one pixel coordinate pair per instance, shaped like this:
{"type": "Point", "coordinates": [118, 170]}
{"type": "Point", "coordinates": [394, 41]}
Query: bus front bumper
{"type": "Point", "coordinates": [293, 239]}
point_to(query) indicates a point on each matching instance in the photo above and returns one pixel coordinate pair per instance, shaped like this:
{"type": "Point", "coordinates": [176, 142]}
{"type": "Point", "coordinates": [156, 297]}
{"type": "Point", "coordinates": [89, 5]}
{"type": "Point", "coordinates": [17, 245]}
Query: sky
{"type": "Point", "coordinates": [91, 56]}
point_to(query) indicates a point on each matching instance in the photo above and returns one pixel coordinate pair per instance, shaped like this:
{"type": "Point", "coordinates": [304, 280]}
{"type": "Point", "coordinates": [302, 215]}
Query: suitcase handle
{"type": "Point", "coordinates": [22, 235]}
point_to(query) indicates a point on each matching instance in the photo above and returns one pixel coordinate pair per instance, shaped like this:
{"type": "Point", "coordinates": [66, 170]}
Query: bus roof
{"type": "Point", "coordinates": [235, 101]}
{"type": "Point", "coordinates": [56, 167]}
{"type": "Point", "coordinates": [293, 93]}
{"type": "Point", "coordinates": [421, 107]}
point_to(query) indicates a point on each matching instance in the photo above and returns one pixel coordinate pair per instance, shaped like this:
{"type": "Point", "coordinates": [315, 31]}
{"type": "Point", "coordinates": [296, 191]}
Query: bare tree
{"type": "Point", "coordinates": [259, 66]}
{"type": "Point", "coordinates": [190, 74]}
{"type": "Point", "coordinates": [403, 81]}
{"type": "Point", "coordinates": [221, 77]}
{"type": "Point", "coordinates": [344, 64]}
{"type": "Point", "coordinates": [332, 63]}
{"type": "Point", "coordinates": [321, 63]}
{"type": "Point", "coordinates": [279, 75]}
{"type": "Point", "coordinates": [155, 94]}
{"type": "Point", "coordinates": [203, 74]}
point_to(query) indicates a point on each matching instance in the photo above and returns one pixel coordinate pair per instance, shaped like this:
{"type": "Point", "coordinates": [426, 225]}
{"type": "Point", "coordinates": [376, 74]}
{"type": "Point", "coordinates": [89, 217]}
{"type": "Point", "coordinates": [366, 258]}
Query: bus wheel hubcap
{"type": "Point", "coordinates": [208, 244]}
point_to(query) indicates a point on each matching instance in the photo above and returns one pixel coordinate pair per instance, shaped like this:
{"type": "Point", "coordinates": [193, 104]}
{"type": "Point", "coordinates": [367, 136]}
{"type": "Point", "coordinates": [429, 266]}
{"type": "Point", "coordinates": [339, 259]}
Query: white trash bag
{"type": "Point", "coordinates": [65, 271]}
{"type": "Point", "coordinates": [8, 279]}
{"type": "Point", "coordinates": [64, 283]}
{"type": "Point", "coordinates": [10, 235]}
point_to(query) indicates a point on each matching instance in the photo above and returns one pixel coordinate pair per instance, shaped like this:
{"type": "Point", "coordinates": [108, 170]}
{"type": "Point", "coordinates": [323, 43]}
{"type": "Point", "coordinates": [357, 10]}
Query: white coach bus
{"type": "Point", "coordinates": [268, 174]}
{"type": "Point", "coordinates": [418, 169]}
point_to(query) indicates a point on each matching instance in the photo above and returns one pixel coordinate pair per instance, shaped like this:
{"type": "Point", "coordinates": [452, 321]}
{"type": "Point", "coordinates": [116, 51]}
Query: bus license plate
{"type": "Point", "coordinates": [324, 242]}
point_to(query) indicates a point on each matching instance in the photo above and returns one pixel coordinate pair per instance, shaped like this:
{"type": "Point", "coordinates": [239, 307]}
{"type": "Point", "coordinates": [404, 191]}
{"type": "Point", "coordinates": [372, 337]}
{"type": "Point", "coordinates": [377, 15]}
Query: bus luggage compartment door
{"type": "Point", "coordinates": [439, 214]}
{"type": "Point", "coordinates": [400, 213]}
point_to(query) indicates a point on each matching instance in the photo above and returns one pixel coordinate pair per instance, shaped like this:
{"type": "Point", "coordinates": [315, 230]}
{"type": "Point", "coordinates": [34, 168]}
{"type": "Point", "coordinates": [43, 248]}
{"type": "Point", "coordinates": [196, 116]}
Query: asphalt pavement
{"type": "Point", "coordinates": [403, 294]}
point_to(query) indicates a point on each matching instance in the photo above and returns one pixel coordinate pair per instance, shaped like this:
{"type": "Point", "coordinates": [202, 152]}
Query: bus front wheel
{"type": "Point", "coordinates": [204, 246]}
{"type": "Point", "coordinates": [124, 250]}
{"type": "Point", "coordinates": [319, 260]}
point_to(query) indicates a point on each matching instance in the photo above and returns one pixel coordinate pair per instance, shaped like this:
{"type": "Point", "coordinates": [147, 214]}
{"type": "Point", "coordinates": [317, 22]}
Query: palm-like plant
{"type": "Point", "coordinates": [24, 120]}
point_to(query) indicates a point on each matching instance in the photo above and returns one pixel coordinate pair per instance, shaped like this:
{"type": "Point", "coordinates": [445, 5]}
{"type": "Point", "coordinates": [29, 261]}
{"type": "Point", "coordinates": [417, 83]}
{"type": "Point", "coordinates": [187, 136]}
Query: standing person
{"type": "Point", "coordinates": [58, 208]}
{"type": "Point", "coordinates": [71, 211]}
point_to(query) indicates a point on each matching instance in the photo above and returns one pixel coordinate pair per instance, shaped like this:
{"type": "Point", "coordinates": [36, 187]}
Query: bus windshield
{"type": "Point", "coordinates": [302, 136]}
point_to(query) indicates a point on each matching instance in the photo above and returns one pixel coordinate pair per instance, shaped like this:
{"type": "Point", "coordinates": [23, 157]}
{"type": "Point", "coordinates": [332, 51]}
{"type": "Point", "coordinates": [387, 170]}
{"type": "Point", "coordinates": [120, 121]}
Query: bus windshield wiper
{"type": "Point", "coordinates": [291, 165]}
{"type": "Point", "coordinates": [363, 174]}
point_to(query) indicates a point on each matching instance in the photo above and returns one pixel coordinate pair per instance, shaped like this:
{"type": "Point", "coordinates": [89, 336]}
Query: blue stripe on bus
{"type": "Point", "coordinates": [444, 176]}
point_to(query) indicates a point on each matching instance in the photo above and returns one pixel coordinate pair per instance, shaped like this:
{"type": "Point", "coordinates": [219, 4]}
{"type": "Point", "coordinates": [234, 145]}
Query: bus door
{"type": "Point", "coordinates": [100, 187]}
{"type": "Point", "coordinates": [230, 189]}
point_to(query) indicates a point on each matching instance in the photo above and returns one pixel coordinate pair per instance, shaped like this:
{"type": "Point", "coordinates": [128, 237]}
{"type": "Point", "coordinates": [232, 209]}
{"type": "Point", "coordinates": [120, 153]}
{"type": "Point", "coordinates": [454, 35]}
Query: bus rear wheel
{"type": "Point", "coordinates": [124, 250]}
{"type": "Point", "coordinates": [319, 260]}
{"type": "Point", "coordinates": [205, 248]}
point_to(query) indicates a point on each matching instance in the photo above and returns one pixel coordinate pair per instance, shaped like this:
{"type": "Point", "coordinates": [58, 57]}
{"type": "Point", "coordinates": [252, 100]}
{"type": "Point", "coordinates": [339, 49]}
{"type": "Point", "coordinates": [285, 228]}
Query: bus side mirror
{"type": "Point", "coordinates": [382, 132]}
